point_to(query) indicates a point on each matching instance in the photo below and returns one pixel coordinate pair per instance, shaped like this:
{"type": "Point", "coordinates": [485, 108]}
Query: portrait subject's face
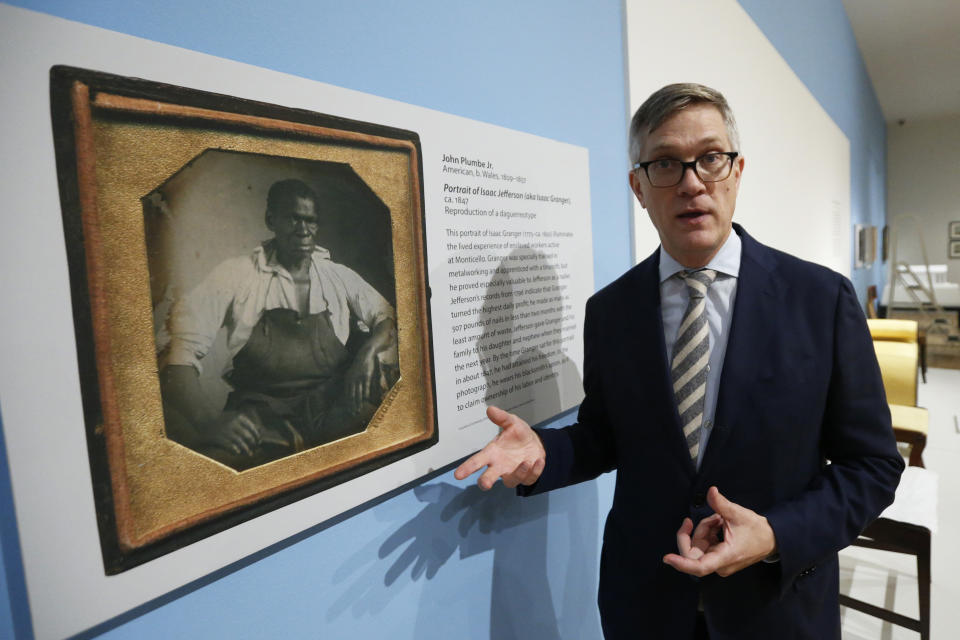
{"type": "Point", "coordinates": [295, 229]}
{"type": "Point", "coordinates": [693, 218]}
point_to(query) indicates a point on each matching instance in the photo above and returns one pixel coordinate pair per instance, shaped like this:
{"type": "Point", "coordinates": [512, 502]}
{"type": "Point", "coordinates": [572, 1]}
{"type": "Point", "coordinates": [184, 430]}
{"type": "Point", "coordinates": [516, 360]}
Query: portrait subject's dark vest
{"type": "Point", "coordinates": [290, 375]}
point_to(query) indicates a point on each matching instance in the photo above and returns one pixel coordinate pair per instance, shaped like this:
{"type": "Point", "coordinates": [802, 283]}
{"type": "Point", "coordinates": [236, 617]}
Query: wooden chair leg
{"type": "Point", "coordinates": [923, 586]}
{"type": "Point", "coordinates": [923, 357]}
{"type": "Point", "coordinates": [916, 452]}
{"type": "Point", "coordinates": [917, 442]}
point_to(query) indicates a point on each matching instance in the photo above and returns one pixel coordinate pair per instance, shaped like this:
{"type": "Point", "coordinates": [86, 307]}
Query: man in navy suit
{"type": "Point", "coordinates": [735, 390]}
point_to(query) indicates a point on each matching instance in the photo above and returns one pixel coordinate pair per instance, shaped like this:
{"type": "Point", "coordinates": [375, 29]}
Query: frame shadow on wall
{"type": "Point", "coordinates": [536, 561]}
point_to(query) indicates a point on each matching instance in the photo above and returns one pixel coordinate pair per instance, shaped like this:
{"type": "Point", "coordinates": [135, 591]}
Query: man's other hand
{"type": "Point", "coordinates": [516, 455]}
{"type": "Point", "coordinates": [746, 539]}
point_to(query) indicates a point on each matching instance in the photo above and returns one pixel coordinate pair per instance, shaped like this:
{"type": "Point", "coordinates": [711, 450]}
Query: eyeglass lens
{"type": "Point", "coordinates": [712, 167]}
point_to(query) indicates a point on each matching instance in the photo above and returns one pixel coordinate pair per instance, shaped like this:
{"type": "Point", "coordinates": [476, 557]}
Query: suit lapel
{"type": "Point", "coordinates": [649, 352]}
{"type": "Point", "coordinates": [752, 331]}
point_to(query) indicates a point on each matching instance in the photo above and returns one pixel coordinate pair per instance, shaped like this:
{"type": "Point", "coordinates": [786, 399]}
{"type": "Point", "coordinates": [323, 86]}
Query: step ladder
{"type": "Point", "coordinates": [921, 296]}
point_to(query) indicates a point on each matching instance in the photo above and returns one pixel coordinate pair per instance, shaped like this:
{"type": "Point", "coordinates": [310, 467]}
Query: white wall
{"type": "Point", "coordinates": [795, 191]}
{"type": "Point", "coordinates": [923, 170]}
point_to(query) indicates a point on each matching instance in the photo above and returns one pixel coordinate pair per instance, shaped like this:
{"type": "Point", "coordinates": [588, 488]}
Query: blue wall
{"type": "Point", "coordinates": [443, 559]}
{"type": "Point", "coordinates": [14, 614]}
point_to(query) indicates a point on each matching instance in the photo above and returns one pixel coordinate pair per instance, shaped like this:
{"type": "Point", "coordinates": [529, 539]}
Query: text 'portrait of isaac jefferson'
{"type": "Point", "coordinates": [310, 343]}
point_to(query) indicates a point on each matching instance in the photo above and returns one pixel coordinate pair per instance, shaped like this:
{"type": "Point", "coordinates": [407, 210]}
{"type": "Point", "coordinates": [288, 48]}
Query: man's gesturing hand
{"type": "Point", "coordinates": [747, 538]}
{"type": "Point", "coordinates": [516, 455]}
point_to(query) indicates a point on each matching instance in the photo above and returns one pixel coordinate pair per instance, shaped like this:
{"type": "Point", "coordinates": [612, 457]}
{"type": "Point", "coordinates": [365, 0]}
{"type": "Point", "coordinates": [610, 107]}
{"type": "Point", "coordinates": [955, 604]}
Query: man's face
{"type": "Point", "coordinates": [294, 229]}
{"type": "Point", "coordinates": [693, 218]}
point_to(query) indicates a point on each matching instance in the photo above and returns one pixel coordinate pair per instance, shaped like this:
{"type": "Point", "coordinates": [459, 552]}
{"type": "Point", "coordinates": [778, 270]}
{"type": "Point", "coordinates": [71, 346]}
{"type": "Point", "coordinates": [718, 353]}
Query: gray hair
{"type": "Point", "coordinates": [665, 102]}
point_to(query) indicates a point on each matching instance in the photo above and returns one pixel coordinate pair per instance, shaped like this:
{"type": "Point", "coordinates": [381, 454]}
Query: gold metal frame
{"type": "Point", "coordinates": [117, 139]}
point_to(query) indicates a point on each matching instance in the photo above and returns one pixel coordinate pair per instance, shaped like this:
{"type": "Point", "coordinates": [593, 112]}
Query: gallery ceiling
{"type": "Point", "coordinates": [912, 53]}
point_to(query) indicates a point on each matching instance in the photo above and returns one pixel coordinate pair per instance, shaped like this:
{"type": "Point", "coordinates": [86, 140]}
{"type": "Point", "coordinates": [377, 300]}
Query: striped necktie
{"type": "Point", "coordinates": [691, 352]}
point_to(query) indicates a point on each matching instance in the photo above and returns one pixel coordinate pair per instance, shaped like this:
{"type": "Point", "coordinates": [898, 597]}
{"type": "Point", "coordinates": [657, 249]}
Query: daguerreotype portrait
{"type": "Point", "coordinates": [310, 341]}
{"type": "Point", "coordinates": [250, 298]}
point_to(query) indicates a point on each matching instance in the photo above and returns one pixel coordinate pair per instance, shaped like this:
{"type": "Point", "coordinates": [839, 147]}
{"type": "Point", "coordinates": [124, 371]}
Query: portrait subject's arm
{"type": "Point", "coordinates": [857, 439]}
{"type": "Point", "coordinates": [192, 421]}
{"type": "Point", "coordinates": [361, 377]}
{"type": "Point", "coordinates": [180, 388]}
{"type": "Point", "coordinates": [196, 317]}
{"type": "Point", "coordinates": [364, 301]}
{"type": "Point", "coordinates": [373, 310]}
{"type": "Point", "coordinates": [193, 324]}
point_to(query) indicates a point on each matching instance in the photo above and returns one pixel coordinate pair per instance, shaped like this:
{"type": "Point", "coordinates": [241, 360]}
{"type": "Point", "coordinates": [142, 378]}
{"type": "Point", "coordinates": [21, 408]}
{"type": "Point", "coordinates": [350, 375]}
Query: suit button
{"type": "Point", "coordinates": [698, 500]}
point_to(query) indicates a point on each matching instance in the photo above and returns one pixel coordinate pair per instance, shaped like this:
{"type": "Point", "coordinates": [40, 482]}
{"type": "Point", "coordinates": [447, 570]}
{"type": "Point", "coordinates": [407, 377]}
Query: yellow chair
{"type": "Point", "coordinates": [898, 349]}
{"type": "Point", "coordinates": [897, 330]}
{"type": "Point", "coordinates": [898, 366]}
{"type": "Point", "coordinates": [892, 329]}
{"type": "Point", "coordinates": [898, 352]}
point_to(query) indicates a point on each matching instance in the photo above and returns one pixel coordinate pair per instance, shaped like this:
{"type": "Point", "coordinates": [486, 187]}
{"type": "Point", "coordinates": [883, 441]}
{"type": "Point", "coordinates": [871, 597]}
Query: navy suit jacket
{"type": "Point", "coordinates": [802, 435]}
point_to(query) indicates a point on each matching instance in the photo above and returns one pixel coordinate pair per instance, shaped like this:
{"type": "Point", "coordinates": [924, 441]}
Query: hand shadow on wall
{"type": "Point", "coordinates": [515, 529]}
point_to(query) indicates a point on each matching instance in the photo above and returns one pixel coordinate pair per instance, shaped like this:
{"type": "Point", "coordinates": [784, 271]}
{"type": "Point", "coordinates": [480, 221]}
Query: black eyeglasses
{"type": "Point", "coordinates": [710, 167]}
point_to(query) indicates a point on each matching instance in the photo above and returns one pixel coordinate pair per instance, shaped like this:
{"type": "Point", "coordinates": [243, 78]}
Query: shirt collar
{"type": "Point", "coordinates": [727, 260]}
{"type": "Point", "coordinates": [265, 257]}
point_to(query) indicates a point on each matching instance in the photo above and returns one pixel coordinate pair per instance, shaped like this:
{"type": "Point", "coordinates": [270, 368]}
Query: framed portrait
{"type": "Point", "coordinates": [858, 246]}
{"type": "Point", "coordinates": [865, 245]}
{"type": "Point", "coordinates": [954, 251]}
{"type": "Point", "coordinates": [953, 230]}
{"type": "Point", "coordinates": [871, 245]}
{"type": "Point", "coordinates": [250, 303]}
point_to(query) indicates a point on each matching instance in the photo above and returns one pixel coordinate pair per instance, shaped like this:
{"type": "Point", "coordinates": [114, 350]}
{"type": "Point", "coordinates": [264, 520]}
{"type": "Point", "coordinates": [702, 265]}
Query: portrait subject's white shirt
{"type": "Point", "coordinates": [237, 292]}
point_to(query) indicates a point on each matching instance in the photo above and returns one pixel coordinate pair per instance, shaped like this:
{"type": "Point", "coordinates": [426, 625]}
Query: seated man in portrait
{"type": "Point", "coordinates": [298, 379]}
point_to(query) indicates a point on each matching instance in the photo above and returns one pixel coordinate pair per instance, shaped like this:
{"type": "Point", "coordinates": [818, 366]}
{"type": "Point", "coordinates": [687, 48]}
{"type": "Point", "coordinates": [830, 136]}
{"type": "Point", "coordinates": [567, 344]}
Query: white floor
{"type": "Point", "coordinates": [890, 579]}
